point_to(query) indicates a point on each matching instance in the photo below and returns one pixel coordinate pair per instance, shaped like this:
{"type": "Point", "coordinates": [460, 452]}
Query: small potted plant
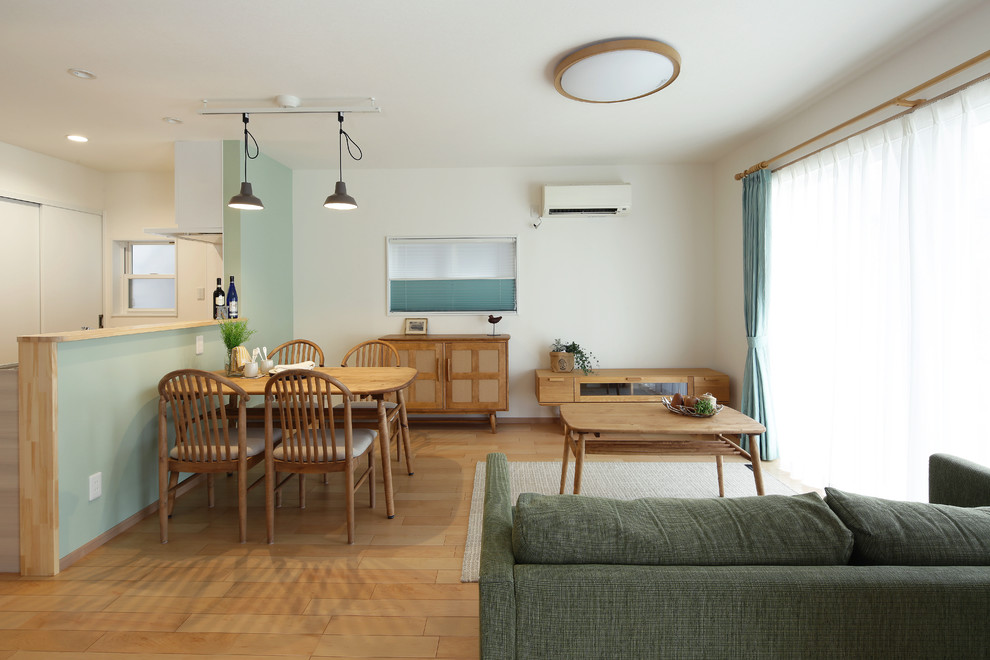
{"type": "Point", "coordinates": [234, 333]}
{"type": "Point", "coordinates": [565, 355]}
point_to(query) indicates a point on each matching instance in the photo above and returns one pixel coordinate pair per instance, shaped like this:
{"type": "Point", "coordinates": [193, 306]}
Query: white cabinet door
{"type": "Point", "coordinates": [19, 272]}
{"type": "Point", "coordinates": [71, 269]}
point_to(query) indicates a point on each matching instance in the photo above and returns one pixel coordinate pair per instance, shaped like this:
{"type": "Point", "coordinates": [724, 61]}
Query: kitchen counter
{"type": "Point", "coordinates": [87, 404]}
{"type": "Point", "coordinates": [101, 333]}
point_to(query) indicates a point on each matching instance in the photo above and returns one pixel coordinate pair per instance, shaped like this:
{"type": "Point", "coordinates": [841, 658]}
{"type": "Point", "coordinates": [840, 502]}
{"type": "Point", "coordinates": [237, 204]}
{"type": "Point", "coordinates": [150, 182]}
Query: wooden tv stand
{"type": "Point", "coordinates": [627, 385]}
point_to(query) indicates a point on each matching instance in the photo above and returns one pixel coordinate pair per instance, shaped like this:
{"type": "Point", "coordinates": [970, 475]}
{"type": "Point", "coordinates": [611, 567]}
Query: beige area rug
{"type": "Point", "coordinates": [625, 481]}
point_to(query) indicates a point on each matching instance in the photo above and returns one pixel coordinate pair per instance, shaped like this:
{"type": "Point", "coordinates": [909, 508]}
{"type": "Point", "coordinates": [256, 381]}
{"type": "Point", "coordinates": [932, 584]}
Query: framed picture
{"type": "Point", "coordinates": [415, 326]}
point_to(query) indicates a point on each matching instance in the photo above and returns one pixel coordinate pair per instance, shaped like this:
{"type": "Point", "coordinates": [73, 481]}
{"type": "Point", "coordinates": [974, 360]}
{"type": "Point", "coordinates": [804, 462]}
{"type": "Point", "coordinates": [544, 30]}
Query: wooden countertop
{"type": "Point", "coordinates": [100, 333]}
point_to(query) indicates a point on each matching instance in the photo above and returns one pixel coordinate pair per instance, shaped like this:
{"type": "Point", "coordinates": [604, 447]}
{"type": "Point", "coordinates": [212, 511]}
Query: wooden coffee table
{"type": "Point", "coordinates": [649, 428]}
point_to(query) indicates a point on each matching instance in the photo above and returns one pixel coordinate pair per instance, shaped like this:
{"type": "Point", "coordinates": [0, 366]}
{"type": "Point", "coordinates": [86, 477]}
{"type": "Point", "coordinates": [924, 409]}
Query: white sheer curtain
{"type": "Point", "coordinates": [879, 309]}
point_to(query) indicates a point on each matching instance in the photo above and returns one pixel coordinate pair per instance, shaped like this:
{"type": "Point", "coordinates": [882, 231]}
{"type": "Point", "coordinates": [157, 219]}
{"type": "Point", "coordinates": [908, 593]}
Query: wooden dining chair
{"type": "Point", "coordinates": [208, 438]}
{"type": "Point", "coordinates": [297, 350]}
{"type": "Point", "coordinates": [377, 353]}
{"type": "Point", "coordinates": [293, 351]}
{"type": "Point", "coordinates": [374, 353]}
{"type": "Point", "coordinates": [313, 441]}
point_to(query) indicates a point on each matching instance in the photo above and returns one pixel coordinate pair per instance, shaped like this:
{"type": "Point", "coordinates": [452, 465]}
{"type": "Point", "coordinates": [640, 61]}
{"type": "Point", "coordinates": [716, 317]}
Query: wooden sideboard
{"type": "Point", "coordinates": [619, 385]}
{"type": "Point", "coordinates": [458, 374]}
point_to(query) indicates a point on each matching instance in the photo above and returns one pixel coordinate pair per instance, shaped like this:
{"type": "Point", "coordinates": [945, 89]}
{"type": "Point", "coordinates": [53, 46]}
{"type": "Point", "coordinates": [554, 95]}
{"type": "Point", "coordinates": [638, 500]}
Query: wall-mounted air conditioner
{"type": "Point", "coordinates": [586, 201]}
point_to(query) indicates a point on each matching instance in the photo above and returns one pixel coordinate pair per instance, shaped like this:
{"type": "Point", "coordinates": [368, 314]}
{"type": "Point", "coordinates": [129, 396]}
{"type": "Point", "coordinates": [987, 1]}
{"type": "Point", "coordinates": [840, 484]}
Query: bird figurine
{"type": "Point", "coordinates": [493, 320]}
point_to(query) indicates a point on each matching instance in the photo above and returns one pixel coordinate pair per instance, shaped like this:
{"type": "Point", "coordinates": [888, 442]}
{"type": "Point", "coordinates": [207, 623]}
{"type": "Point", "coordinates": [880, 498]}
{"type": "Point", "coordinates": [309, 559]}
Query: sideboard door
{"type": "Point", "coordinates": [477, 376]}
{"type": "Point", "coordinates": [426, 392]}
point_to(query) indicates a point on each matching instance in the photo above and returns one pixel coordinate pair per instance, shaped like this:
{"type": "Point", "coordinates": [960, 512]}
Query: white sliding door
{"type": "Point", "coordinates": [20, 293]}
{"type": "Point", "coordinates": [71, 269]}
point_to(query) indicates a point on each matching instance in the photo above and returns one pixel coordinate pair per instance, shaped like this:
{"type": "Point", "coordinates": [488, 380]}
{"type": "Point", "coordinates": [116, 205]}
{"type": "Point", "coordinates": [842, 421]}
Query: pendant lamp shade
{"type": "Point", "coordinates": [245, 200]}
{"type": "Point", "coordinates": [340, 200]}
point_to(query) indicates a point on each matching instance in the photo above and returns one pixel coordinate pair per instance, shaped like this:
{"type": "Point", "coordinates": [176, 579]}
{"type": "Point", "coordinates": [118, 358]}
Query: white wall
{"type": "Point", "coordinates": [636, 290]}
{"type": "Point", "coordinates": [135, 201]}
{"type": "Point", "coordinates": [954, 43]}
{"type": "Point", "coordinates": [129, 201]}
{"type": "Point", "coordinates": [37, 178]}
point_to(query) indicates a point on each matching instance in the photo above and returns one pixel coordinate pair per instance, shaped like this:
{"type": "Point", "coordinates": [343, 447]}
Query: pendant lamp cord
{"type": "Point", "coordinates": [340, 147]}
{"type": "Point", "coordinates": [247, 154]}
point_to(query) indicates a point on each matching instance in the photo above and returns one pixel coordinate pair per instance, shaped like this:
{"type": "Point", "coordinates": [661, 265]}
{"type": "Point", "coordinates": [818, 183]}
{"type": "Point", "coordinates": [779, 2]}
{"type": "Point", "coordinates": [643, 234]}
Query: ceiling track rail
{"type": "Point", "coordinates": [286, 104]}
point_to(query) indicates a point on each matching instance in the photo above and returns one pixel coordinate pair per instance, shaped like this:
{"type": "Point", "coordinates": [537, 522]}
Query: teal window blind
{"type": "Point", "coordinates": [462, 274]}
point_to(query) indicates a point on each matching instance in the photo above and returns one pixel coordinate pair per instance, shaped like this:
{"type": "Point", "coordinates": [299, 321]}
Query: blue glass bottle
{"type": "Point", "coordinates": [231, 299]}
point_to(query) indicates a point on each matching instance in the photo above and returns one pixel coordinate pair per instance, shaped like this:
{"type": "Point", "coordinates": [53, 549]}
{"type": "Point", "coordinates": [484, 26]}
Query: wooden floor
{"type": "Point", "coordinates": [395, 593]}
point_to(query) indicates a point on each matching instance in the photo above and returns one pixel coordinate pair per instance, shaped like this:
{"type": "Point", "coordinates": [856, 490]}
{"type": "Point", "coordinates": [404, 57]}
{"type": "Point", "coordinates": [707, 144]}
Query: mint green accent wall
{"type": "Point", "coordinates": [233, 167]}
{"type": "Point", "coordinates": [261, 246]}
{"type": "Point", "coordinates": [108, 422]}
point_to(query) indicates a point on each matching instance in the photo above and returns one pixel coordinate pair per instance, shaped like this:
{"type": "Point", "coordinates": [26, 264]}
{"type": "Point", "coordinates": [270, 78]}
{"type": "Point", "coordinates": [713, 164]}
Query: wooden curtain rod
{"type": "Point", "coordinates": [900, 100]}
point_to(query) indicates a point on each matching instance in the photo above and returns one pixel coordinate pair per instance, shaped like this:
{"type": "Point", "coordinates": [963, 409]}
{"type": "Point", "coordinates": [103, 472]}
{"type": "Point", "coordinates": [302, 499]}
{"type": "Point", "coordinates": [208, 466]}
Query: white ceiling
{"type": "Point", "coordinates": [461, 83]}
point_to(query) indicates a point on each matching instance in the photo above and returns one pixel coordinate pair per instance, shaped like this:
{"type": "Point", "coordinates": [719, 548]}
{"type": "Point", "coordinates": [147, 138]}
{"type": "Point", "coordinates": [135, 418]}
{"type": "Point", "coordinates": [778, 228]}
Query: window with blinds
{"type": "Point", "coordinates": [455, 274]}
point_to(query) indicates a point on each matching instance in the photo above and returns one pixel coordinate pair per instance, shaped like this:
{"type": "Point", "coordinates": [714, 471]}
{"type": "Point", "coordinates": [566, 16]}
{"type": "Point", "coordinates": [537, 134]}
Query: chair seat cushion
{"type": "Point", "coordinates": [797, 530]}
{"type": "Point", "coordinates": [913, 533]}
{"type": "Point", "coordinates": [255, 445]}
{"type": "Point", "coordinates": [362, 441]}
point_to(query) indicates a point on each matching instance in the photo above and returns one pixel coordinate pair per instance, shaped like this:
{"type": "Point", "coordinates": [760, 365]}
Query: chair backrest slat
{"type": "Point", "coordinates": [374, 353]}
{"type": "Point", "coordinates": [296, 351]}
{"type": "Point", "coordinates": [199, 415]}
{"type": "Point", "coordinates": [309, 432]}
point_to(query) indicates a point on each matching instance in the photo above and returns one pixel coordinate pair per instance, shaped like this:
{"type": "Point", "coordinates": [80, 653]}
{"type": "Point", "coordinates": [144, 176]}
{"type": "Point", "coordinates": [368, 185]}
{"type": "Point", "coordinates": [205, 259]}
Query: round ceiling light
{"type": "Point", "coordinates": [82, 73]}
{"type": "Point", "coordinates": [77, 138]}
{"type": "Point", "coordinates": [617, 70]}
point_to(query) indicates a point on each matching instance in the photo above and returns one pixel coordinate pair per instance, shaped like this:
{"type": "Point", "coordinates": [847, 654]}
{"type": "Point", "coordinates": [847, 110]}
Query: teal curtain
{"type": "Point", "coordinates": [756, 271]}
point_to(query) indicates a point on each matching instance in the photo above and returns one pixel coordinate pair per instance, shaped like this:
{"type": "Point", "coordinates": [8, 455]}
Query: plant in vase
{"type": "Point", "coordinates": [565, 355]}
{"type": "Point", "coordinates": [234, 333]}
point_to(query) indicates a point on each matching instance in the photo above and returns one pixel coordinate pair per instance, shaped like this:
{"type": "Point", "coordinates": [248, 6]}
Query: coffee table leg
{"type": "Point", "coordinates": [754, 453]}
{"type": "Point", "coordinates": [721, 483]}
{"type": "Point", "coordinates": [578, 464]}
{"type": "Point", "coordinates": [563, 466]}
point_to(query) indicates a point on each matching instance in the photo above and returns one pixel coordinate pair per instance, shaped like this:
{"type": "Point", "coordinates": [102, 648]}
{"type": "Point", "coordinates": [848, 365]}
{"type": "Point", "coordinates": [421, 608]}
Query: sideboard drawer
{"type": "Point", "coordinates": [555, 389]}
{"type": "Point", "coordinates": [717, 386]}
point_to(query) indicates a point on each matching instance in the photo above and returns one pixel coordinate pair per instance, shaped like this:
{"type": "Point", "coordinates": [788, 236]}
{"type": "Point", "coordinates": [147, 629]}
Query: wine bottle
{"type": "Point", "coordinates": [231, 300]}
{"type": "Point", "coordinates": [219, 300]}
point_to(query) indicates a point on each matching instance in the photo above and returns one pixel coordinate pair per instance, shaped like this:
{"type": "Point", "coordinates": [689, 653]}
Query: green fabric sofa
{"type": "Point", "coordinates": [790, 583]}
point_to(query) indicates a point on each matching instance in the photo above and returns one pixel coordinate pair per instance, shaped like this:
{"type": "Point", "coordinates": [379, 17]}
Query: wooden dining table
{"type": "Point", "coordinates": [375, 382]}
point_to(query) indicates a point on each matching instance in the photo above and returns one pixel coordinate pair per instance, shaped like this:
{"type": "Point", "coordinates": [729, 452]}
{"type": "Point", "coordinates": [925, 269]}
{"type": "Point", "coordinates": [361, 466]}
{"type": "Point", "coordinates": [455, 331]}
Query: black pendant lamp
{"type": "Point", "coordinates": [245, 200]}
{"type": "Point", "coordinates": [340, 200]}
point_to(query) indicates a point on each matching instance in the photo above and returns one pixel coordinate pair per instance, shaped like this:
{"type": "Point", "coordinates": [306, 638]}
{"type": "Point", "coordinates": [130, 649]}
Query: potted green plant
{"type": "Point", "coordinates": [565, 355]}
{"type": "Point", "coordinates": [234, 333]}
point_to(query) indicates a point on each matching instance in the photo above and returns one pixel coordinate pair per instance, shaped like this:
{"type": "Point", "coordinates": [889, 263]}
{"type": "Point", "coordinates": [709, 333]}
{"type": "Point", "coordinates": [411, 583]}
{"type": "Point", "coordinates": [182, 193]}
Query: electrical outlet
{"type": "Point", "coordinates": [199, 344]}
{"type": "Point", "coordinates": [95, 485]}
{"type": "Point", "coordinates": [200, 293]}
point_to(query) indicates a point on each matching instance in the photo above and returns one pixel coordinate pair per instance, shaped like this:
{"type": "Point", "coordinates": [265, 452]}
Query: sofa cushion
{"type": "Point", "coordinates": [770, 530]}
{"type": "Point", "coordinates": [913, 533]}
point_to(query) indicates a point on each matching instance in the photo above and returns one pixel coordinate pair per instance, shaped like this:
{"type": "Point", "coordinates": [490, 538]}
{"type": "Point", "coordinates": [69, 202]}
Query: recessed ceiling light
{"type": "Point", "coordinates": [82, 73]}
{"type": "Point", "coordinates": [617, 70]}
{"type": "Point", "coordinates": [171, 120]}
{"type": "Point", "coordinates": [77, 138]}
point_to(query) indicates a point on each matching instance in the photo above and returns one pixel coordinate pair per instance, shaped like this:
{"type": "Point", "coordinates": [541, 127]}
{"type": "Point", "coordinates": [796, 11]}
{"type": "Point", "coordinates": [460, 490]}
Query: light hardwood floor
{"type": "Point", "coordinates": [395, 593]}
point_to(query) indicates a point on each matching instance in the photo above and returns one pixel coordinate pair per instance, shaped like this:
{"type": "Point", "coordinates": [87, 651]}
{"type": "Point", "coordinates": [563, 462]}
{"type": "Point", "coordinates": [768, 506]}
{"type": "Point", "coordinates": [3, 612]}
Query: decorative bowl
{"type": "Point", "coordinates": [689, 412]}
